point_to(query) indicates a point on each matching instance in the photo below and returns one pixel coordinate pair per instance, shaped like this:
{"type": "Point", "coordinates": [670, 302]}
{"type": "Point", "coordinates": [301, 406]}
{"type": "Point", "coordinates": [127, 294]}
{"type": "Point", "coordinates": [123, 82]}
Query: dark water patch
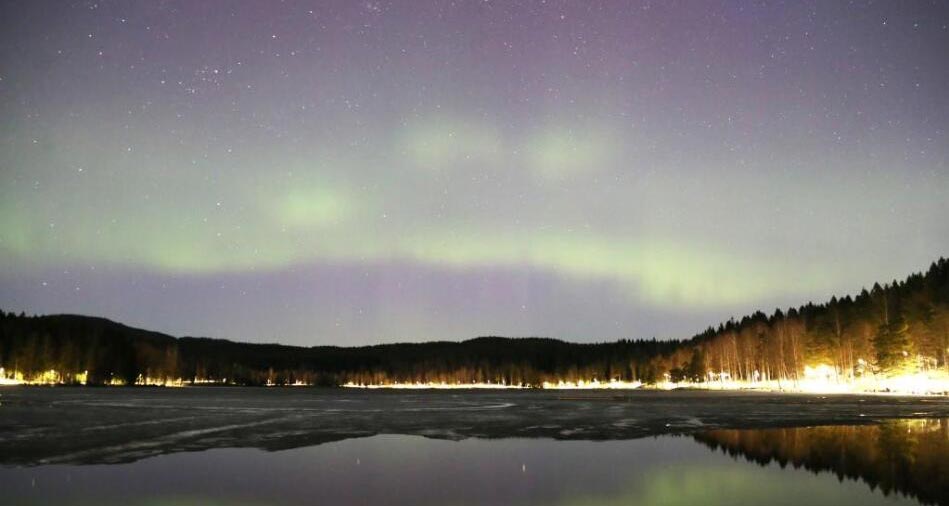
{"type": "Point", "coordinates": [412, 470]}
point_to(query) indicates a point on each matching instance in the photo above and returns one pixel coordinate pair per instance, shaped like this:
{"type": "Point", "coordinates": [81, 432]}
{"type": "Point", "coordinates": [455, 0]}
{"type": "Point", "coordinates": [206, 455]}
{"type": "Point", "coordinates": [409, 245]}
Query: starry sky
{"type": "Point", "coordinates": [352, 172]}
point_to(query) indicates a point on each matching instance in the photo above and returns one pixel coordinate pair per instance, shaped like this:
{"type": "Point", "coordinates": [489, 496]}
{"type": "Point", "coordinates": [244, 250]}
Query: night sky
{"type": "Point", "coordinates": [357, 172]}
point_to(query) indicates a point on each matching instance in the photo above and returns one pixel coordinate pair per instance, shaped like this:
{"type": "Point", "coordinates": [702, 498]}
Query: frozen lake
{"type": "Point", "coordinates": [291, 446]}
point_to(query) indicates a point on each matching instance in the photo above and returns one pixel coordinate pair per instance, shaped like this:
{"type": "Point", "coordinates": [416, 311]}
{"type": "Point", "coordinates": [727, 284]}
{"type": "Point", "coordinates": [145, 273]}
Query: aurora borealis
{"type": "Point", "coordinates": [360, 172]}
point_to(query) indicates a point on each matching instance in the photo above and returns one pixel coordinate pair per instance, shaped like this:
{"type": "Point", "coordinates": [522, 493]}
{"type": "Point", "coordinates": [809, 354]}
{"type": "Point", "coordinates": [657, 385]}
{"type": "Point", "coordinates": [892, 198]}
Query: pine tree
{"type": "Point", "coordinates": [894, 348]}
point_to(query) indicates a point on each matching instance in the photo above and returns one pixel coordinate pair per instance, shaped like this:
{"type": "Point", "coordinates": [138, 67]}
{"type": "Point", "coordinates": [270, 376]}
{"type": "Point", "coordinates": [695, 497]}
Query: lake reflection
{"type": "Point", "coordinates": [907, 456]}
{"type": "Point", "coordinates": [393, 470]}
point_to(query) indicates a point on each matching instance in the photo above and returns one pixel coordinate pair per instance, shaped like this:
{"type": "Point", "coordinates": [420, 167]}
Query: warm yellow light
{"type": "Point", "coordinates": [825, 379]}
{"type": "Point", "coordinates": [816, 379]}
{"type": "Point", "coordinates": [432, 385]}
{"type": "Point", "coordinates": [594, 384]}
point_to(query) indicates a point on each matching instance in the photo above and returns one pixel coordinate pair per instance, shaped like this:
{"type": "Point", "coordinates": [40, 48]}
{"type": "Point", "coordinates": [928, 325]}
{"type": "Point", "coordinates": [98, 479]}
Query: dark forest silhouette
{"type": "Point", "coordinates": [899, 327]}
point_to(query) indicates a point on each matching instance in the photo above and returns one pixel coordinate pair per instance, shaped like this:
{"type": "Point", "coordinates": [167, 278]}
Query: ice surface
{"type": "Point", "coordinates": [113, 425]}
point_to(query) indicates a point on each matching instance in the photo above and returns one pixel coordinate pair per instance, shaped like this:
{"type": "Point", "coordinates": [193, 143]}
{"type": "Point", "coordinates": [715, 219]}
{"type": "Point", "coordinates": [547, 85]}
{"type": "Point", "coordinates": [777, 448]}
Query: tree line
{"type": "Point", "coordinates": [894, 328]}
{"type": "Point", "coordinates": [897, 328]}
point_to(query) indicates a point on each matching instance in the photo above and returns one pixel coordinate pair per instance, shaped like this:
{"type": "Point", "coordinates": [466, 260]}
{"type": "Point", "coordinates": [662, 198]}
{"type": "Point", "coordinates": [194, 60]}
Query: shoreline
{"type": "Point", "coordinates": [507, 388]}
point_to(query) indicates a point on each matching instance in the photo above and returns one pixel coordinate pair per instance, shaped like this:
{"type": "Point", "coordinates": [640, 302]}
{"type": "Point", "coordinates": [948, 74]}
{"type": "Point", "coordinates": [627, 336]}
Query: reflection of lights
{"type": "Point", "coordinates": [904, 455]}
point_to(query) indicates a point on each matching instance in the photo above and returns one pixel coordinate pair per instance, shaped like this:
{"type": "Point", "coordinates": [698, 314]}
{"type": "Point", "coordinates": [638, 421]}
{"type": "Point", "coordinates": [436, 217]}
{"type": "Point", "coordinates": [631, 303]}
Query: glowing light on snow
{"type": "Point", "coordinates": [433, 385]}
{"type": "Point", "coordinates": [208, 381]}
{"type": "Point", "coordinates": [8, 380]}
{"type": "Point", "coordinates": [297, 383]}
{"type": "Point", "coordinates": [594, 384]}
{"type": "Point", "coordinates": [816, 379]}
{"type": "Point", "coordinates": [158, 382]}
{"type": "Point", "coordinates": [825, 379]}
{"type": "Point", "coordinates": [55, 377]}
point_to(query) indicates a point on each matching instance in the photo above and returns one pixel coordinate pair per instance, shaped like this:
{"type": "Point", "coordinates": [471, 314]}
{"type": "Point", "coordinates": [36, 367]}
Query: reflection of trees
{"type": "Point", "coordinates": [907, 456]}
